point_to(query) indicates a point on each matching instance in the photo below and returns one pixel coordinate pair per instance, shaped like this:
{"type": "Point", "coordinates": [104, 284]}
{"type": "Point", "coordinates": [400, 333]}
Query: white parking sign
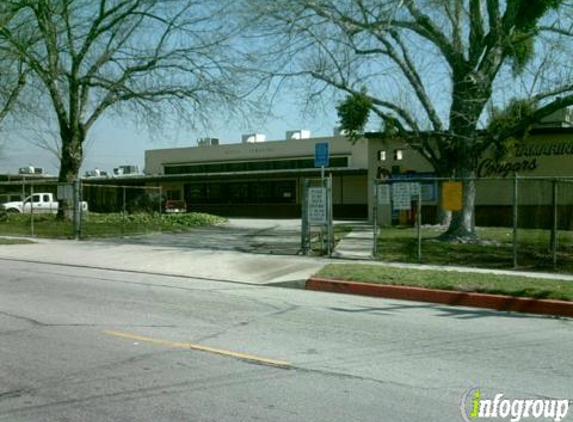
{"type": "Point", "coordinates": [317, 205]}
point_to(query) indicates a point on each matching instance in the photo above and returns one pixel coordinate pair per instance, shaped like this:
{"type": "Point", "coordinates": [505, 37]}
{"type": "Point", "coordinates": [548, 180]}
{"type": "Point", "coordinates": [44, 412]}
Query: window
{"type": "Point", "coordinates": [263, 165]}
{"type": "Point", "coordinates": [215, 192]}
{"type": "Point", "coordinates": [382, 155]}
{"type": "Point", "coordinates": [285, 192]}
{"type": "Point", "coordinates": [173, 195]}
{"type": "Point", "coordinates": [262, 192]}
{"type": "Point", "coordinates": [398, 154]}
{"type": "Point", "coordinates": [339, 162]}
{"type": "Point", "coordinates": [196, 191]}
{"type": "Point", "coordinates": [239, 192]}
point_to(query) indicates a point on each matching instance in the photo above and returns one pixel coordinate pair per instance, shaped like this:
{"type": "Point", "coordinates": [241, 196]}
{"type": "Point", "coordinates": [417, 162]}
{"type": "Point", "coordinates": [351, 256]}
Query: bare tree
{"type": "Point", "coordinates": [12, 74]}
{"type": "Point", "coordinates": [429, 70]}
{"type": "Point", "coordinates": [10, 89]}
{"type": "Point", "coordinates": [157, 58]}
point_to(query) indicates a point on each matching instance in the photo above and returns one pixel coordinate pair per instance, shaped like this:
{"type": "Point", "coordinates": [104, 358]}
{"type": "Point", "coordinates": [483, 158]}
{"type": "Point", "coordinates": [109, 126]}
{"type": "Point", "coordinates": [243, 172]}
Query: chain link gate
{"type": "Point", "coordinates": [397, 201]}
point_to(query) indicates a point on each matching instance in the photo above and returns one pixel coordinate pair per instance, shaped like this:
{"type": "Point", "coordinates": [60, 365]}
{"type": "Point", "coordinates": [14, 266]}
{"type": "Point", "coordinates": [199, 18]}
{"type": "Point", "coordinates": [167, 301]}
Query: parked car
{"type": "Point", "coordinates": [38, 202]}
{"type": "Point", "coordinates": [175, 206]}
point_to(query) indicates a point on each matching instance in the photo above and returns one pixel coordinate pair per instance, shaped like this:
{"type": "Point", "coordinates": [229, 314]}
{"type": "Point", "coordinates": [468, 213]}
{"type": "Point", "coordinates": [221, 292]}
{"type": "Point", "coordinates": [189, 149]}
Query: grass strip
{"type": "Point", "coordinates": [509, 285]}
{"type": "Point", "coordinates": [4, 241]}
{"type": "Point", "coordinates": [104, 225]}
{"type": "Point", "coordinates": [494, 249]}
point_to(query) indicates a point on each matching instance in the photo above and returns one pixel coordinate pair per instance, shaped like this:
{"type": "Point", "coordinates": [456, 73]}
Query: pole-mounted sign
{"type": "Point", "coordinates": [321, 154]}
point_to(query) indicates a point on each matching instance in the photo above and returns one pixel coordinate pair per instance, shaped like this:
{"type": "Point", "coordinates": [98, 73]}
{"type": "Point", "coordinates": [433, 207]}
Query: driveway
{"type": "Point", "coordinates": [261, 236]}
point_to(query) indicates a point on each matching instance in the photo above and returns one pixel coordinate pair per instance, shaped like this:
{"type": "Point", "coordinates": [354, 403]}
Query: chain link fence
{"type": "Point", "coordinates": [520, 222]}
{"type": "Point", "coordinates": [30, 209]}
{"type": "Point", "coordinates": [75, 210]}
{"type": "Point", "coordinates": [121, 210]}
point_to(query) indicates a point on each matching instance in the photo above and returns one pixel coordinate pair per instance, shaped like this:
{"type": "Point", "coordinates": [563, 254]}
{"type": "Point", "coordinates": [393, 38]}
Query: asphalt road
{"type": "Point", "coordinates": [81, 344]}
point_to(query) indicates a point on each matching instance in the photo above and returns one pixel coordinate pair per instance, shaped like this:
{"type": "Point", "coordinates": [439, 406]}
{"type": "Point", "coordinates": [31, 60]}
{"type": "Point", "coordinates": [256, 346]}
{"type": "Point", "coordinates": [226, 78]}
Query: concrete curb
{"type": "Point", "coordinates": [478, 300]}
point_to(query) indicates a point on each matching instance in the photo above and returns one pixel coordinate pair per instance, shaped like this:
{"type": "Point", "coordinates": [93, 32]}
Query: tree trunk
{"type": "Point", "coordinates": [444, 218]}
{"type": "Point", "coordinates": [462, 224]}
{"type": "Point", "coordinates": [70, 163]}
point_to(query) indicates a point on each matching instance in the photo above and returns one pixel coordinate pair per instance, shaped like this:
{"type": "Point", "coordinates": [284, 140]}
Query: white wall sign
{"type": "Point", "coordinates": [317, 205]}
{"type": "Point", "coordinates": [414, 190]}
{"type": "Point", "coordinates": [401, 199]}
{"type": "Point", "coordinates": [383, 194]}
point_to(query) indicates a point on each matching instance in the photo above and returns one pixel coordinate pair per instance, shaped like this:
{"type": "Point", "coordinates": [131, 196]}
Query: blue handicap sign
{"type": "Point", "coordinates": [321, 154]}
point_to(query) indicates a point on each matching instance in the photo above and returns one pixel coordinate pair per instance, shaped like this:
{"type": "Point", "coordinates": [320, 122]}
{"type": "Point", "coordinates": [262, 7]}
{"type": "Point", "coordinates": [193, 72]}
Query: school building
{"type": "Point", "coordinates": [259, 178]}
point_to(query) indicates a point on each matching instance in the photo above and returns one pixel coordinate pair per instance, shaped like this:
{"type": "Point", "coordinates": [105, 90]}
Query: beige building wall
{"type": "Point", "coordinates": [354, 189]}
{"type": "Point", "coordinates": [541, 155]}
{"type": "Point", "coordinates": [391, 156]}
{"type": "Point", "coordinates": [270, 150]}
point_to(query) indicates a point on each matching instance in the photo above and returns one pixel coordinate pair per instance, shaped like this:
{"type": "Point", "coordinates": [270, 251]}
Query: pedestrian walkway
{"type": "Point", "coordinates": [357, 244]}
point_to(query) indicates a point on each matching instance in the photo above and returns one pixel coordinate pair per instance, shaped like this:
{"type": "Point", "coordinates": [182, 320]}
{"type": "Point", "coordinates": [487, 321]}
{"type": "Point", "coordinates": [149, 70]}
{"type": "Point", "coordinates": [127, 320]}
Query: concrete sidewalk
{"type": "Point", "coordinates": [221, 265]}
{"type": "Point", "coordinates": [250, 251]}
{"type": "Point", "coordinates": [152, 259]}
{"type": "Point", "coordinates": [356, 245]}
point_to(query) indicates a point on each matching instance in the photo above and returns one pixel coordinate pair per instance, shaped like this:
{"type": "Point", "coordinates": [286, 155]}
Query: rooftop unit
{"type": "Point", "coordinates": [338, 131]}
{"type": "Point", "coordinates": [207, 142]}
{"type": "Point", "coordinates": [126, 170]}
{"type": "Point", "coordinates": [253, 138]}
{"type": "Point", "coordinates": [96, 173]}
{"type": "Point", "coordinates": [31, 170]}
{"type": "Point", "coordinates": [298, 134]}
{"type": "Point", "coordinates": [560, 118]}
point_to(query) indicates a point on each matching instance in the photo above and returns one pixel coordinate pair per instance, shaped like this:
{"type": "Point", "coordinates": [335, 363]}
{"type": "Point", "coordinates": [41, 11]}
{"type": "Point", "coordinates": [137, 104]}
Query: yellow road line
{"type": "Point", "coordinates": [191, 346]}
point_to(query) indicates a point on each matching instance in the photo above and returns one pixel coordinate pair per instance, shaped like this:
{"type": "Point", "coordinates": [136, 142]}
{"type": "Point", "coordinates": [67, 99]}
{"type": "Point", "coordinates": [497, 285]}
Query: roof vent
{"type": "Point", "coordinates": [338, 131]}
{"type": "Point", "coordinates": [253, 138]}
{"type": "Point", "coordinates": [126, 170]}
{"type": "Point", "coordinates": [31, 170]}
{"type": "Point", "coordinates": [298, 134]}
{"type": "Point", "coordinates": [559, 118]}
{"type": "Point", "coordinates": [207, 142]}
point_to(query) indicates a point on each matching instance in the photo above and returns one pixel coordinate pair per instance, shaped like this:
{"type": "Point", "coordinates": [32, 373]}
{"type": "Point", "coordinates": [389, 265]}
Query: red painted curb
{"type": "Point", "coordinates": [420, 294]}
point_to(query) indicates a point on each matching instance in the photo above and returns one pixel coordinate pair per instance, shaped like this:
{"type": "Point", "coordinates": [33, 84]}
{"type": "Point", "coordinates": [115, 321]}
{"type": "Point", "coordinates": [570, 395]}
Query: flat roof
{"type": "Point", "coordinates": [225, 175]}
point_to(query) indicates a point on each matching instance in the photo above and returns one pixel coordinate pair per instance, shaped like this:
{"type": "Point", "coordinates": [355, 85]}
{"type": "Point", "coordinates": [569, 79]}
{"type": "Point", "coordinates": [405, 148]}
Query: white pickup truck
{"type": "Point", "coordinates": [38, 202]}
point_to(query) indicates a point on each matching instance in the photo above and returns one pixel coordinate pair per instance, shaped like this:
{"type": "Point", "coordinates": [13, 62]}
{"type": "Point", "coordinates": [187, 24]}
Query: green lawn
{"type": "Point", "coordinates": [494, 249]}
{"type": "Point", "coordinates": [104, 225]}
{"type": "Point", "coordinates": [451, 280]}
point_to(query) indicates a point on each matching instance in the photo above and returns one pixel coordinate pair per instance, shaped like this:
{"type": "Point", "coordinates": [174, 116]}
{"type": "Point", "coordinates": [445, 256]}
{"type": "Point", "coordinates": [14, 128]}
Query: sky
{"type": "Point", "coordinates": [112, 143]}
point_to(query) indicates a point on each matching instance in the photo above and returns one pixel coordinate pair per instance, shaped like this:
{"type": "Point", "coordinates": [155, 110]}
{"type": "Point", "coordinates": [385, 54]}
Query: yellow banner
{"type": "Point", "coordinates": [452, 196]}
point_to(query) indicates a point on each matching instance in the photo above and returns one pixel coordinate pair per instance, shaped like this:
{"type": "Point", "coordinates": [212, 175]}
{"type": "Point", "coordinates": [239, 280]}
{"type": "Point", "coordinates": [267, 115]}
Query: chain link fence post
{"type": "Point", "coordinates": [77, 209]}
{"type": "Point", "coordinates": [554, 242]}
{"type": "Point", "coordinates": [375, 221]}
{"type": "Point", "coordinates": [31, 209]}
{"type": "Point", "coordinates": [304, 236]}
{"type": "Point", "coordinates": [515, 216]}
{"type": "Point", "coordinates": [330, 216]}
{"type": "Point", "coordinates": [419, 222]}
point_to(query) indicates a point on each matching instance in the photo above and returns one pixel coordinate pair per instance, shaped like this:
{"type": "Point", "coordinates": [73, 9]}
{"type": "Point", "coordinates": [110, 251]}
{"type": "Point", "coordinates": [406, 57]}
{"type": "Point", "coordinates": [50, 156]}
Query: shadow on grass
{"type": "Point", "coordinates": [493, 250]}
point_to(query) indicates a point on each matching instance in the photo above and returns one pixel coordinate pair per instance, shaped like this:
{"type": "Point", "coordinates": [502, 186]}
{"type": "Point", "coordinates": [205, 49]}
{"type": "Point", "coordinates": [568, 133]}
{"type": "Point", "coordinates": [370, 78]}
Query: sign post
{"type": "Point", "coordinates": [321, 156]}
{"type": "Point", "coordinates": [317, 204]}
